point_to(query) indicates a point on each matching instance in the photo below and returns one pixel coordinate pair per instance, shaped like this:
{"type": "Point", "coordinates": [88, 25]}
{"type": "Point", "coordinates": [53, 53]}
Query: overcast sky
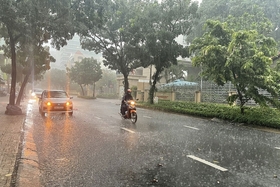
{"type": "Point", "coordinates": [198, 0]}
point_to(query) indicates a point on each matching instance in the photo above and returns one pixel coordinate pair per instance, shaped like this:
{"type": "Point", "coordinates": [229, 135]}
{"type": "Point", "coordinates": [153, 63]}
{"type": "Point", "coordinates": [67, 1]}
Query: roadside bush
{"type": "Point", "coordinates": [269, 117]}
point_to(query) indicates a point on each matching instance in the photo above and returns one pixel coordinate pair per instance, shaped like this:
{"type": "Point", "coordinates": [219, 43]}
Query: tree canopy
{"type": "Point", "coordinates": [86, 72]}
{"type": "Point", "coordinates": [108, 81]}
{"type": "Point", "coordinates": [162, 24]}
{"type": "Point", "coordinates": [31, 23]}
{"type": "Point", "coordinates": [242, 57]}
{"type": "Point", "coordinates": [221, 9]}
{"type": "Point", "coordinates": [55, 79]}
{"type": "Point", "coordinates": [117, 38]}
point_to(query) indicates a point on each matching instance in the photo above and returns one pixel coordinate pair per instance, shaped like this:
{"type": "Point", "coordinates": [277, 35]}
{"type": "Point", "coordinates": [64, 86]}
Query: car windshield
{"type": "Point", "coordinates": [56, 94]}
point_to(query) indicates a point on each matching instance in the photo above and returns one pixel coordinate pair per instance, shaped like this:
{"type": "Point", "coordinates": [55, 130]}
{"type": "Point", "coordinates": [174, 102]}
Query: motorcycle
{"type": "Point", "coordinates": [130, 113]}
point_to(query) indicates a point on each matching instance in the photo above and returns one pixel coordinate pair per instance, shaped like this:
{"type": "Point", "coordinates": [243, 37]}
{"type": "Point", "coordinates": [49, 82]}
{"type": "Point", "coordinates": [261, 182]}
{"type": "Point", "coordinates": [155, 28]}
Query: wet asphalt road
{"type": "Point", "coordinates": [96, 148]}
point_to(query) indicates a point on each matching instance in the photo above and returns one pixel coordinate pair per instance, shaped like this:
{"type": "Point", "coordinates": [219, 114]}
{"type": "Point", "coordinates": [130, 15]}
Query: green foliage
{"type": "Point", "coordinates": [231, 99]}
{"type": "Point", "coordinates": [108, 80]}
{"type": "Point", "coordinates": [2, 60]}
{"type": "Point", "coordinates": [242, 57]}
{"type": "Point", "coordinates": [86, 72]}
{"type": "Point", "coordinates": [257, 11]}
{"type": "Point", "coordinates": [164, 22]}
{"type": "Point", "coordinates": [55, 79]}
{"type": "Point", "coordinates": [117, 38]}
{"type": "Point", "coordinates": [262, 116]}
{"type": "Point", "coordinates": [175, 72]}
{"type": "Point", "coordinates": [256, 21]}
{"type": "Point", "coordinates": [6, 68]}
{"type": "Point", "coordinates": [27, 25]}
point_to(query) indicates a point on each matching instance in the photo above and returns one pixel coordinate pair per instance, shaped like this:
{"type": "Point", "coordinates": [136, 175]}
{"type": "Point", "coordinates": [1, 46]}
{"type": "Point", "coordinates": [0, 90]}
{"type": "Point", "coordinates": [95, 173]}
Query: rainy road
{"type": "Point", "coordinates": [96, 148]}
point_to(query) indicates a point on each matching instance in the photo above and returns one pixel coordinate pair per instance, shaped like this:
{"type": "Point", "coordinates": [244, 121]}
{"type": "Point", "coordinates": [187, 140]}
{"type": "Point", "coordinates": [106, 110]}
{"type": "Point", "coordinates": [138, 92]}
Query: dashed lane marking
{"type": "Point", "coordinates": [191, 127]}
{"type": "Point", "coordinates": [277, 148]}
{"type": "Point", "coordinates": [97, 118]}
{"type": "Point", "coordinates": [147, 117]}
{"type": "Point", "coordinates": [207, 163]}
{"type": "Point", "coordinates": [128, 130]}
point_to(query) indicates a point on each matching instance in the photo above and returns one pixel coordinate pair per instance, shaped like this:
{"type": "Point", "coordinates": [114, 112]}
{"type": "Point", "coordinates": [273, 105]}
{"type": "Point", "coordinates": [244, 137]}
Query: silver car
{"type": "Point", "coordinates": [55, 101]}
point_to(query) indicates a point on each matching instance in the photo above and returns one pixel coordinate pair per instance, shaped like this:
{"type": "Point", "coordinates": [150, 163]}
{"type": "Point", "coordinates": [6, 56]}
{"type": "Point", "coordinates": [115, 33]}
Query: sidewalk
{"type": "Point", "coordinates": [10, 138]}
{"type": "Point", "coordinates": [18, 166]}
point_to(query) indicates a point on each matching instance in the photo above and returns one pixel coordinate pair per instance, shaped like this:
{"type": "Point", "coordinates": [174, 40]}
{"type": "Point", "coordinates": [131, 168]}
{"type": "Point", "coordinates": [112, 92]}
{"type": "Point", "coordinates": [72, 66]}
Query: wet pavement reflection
{"type": "Point", "coordinates": [96, 147]}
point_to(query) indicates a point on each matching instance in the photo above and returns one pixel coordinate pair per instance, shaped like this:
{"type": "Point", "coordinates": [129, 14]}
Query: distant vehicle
{"type": "Point", "coordinates": [130, 113]}
{"type": "Point", "coordinates": [55, 101]}
{"type": "Point", "coordinates": [36, 93]}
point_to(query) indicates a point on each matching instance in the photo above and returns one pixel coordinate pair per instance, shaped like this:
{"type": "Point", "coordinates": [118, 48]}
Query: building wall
{"type": "Point", "coordinates": [63, 55]}
{"type": "Point", "coordinates": [132, 79]}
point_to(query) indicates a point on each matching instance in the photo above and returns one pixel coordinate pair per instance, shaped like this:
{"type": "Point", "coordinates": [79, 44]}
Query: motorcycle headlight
{"type": "Point", "coordinates": [132, 102]}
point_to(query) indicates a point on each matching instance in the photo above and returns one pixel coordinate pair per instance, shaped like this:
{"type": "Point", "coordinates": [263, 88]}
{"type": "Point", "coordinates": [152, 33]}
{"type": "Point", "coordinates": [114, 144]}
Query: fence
{"type": "Point", "coordinates": [210, 92]}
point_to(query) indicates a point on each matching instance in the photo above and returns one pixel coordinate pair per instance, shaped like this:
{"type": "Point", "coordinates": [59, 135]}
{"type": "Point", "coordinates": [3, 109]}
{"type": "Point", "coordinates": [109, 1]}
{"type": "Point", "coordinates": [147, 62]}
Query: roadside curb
{"type": "Point", "coordinates": [28, 166]}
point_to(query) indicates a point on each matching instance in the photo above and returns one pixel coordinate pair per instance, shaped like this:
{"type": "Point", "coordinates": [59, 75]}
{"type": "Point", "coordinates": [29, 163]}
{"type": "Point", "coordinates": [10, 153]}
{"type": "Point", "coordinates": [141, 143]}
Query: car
{"type": "Point", "coordinates": [55, 101]}
{"type": "Point", "coordinates": [36, 93]}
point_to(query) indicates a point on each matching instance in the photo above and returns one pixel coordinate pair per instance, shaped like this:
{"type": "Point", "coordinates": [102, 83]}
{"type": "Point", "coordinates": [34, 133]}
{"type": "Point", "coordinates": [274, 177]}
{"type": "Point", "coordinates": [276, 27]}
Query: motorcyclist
{"type": "Point", "coordinates": [125, 98]}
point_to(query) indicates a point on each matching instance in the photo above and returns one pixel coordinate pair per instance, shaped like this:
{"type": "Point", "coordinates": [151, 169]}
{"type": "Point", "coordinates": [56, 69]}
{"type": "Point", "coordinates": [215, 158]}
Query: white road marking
{"type": "Point", "coordinates": [191, 127]}
{"type": "Point", "coordinates": [62, 159]}
{"type": "Point", "coordinates": [147, 117]}
{"type": "Point", "coordinates": [97, 118]}
{"type": "Point", "coordinates": [127, 130]}
{"type": "Point", "coordinates": [207, 163]}
{"type": "Point", "coordinates": [277, 148]}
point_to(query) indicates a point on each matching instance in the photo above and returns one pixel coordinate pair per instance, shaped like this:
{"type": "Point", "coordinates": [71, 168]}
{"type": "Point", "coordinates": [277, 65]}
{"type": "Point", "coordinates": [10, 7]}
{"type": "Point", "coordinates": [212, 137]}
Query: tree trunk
{"type": "Point", "coordinates": [14, 71]}
{"type": "Point", "coordinates": [20, 94]}
{"type": "Point", "coordinates": [153, 87]}
{"type": "Point", "coordinates": [11, 108]}
{"type": "Point", "coordinates": [151, 94]}
{"type": "Point", "coordinates": [242, 103]}
{"type": "Point", "coordinates": [93, 94]}
{"type": "Point", "coordinates": [83, 93]}
{"type": "Point", "coordinates": [126, 83]}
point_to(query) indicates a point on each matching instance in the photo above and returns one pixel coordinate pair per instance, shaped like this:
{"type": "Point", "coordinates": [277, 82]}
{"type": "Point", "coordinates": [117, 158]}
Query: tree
{"type": "Point", "coordinates": [24, 23]}
{"type": "Point", "coordinates": [108, 80]}
{"type": "Point", "coordinates": [25, 67]}
{"type": "Point", "coordinates": [221, 9]}
{"type": "Point", "coordinates": [86, 72]}
{"type": "Point", "coordinates": [118, 38]}
{"type": "Point", "coordinates": [55, 79]}
{"type": "Point", "coordinates": [32, 23]}
{"type": "Point", "coordinates": [34, 64]}
{"type": "Point", "coordinates": [242, 57]}
{"type": "Point", "coordinates": [162, 24]}
{"type": "Point", "coordinates": [175, 72]}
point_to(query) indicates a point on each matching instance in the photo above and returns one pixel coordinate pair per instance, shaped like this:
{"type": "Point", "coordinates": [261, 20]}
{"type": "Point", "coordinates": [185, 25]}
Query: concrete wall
{"type": "Point", "coordinates": [143, 93]}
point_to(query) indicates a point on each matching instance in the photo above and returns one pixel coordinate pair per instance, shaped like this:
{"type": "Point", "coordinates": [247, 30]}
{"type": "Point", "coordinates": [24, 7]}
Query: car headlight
{"type": "Point", "coordinates": [48, 103]}
{"type": "Point", "coordinates": [68, 103]}
{"type": "Point", "coordinates": [33, 94]}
